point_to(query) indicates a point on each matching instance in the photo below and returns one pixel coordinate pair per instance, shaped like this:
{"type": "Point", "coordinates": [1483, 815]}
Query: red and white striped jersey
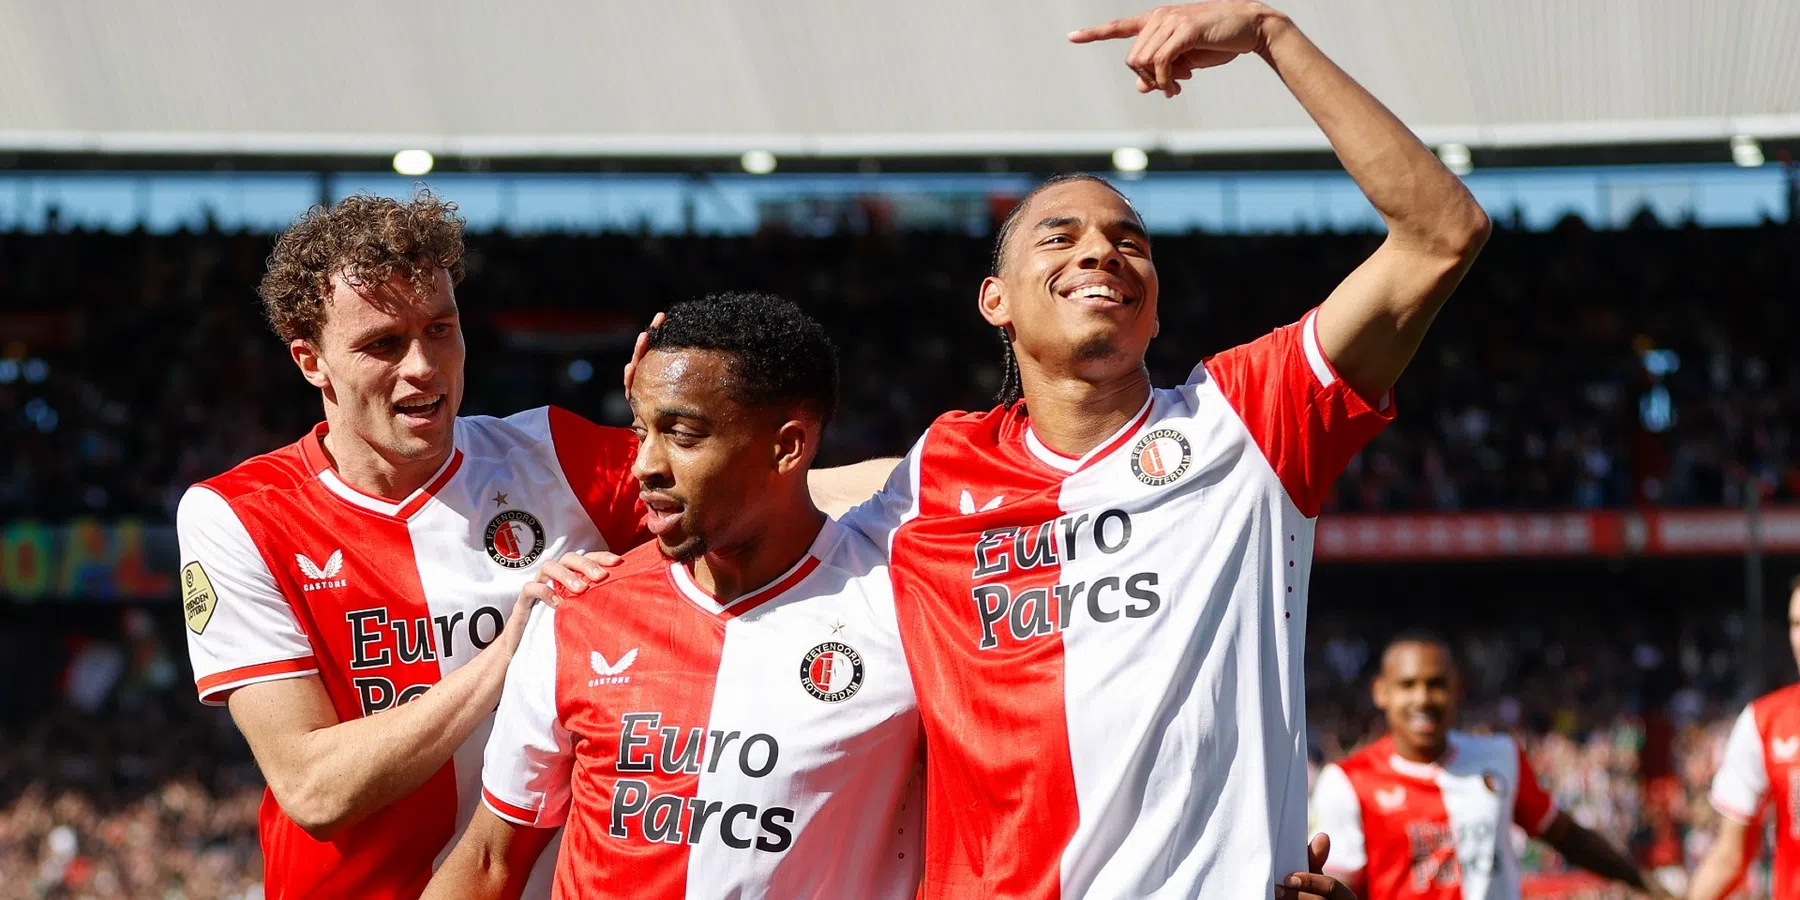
{"type": "Point", "coordinates": [1108, 648]}
{"type": "Point", "coordinates": [1431, 831]}
{"type": "Point", "coordinates": [288, 571]}
{"type": "Point", "coordinates": [761, 748]}
{"type": "Point", "coordinates": [1761, 769]}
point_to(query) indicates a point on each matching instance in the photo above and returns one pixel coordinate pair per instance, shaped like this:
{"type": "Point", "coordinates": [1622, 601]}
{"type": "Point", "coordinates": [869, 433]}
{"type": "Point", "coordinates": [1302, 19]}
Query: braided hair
{"type": "Point", "coordinates": [1012, 388]}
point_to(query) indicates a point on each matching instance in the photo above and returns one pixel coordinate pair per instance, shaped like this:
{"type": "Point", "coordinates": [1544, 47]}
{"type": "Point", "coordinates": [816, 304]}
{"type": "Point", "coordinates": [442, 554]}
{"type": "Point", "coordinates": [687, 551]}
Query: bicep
{"type": "Point", "coordinates": [275, 718]}
{"type": "Point", "coordinates": [1373, 322]}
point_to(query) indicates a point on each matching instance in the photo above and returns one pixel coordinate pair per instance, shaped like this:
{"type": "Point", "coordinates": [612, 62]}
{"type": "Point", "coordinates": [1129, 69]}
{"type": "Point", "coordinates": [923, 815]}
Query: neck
{"type": "Point", "coordinates": [1424, 753]}
{"type": "Point", "coordinates": [1072, 415]}
{"type": "Point", "coordinates": [776, 546]}
{"type": "Point", "coordinates": [363, 467]}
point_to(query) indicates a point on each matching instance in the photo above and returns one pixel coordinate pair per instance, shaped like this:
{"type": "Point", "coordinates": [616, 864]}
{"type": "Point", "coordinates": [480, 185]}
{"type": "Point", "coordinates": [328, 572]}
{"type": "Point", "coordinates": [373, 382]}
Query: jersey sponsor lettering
{"type": "Point", "coordinates": [289, 572]}
{"type": "Point", "coordinates": [714, 771]}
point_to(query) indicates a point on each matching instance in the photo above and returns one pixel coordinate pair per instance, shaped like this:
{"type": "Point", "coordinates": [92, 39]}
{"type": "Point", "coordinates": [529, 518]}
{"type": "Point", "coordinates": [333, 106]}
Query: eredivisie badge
{"type": "Point", "coordinates": [198, 600]}
{"type": "Point", "coordinates": [1161, 456]}
{"type": "Point", "coordinates": [832, 671]}
{"type": "Point", "coordinates": [515, 539]}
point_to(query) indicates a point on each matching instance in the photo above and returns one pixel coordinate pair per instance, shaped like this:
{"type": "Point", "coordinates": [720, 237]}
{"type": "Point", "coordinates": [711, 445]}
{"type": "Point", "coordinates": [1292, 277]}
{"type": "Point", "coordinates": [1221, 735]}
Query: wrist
{"type": "Point", "coordinates": [1272, 25]}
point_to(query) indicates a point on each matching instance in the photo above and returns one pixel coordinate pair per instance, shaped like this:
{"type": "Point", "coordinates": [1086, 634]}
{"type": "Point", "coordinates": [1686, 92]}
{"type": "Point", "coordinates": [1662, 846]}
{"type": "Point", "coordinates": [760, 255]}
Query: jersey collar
{"type": "Point", "coordinates": [695, 594]}
{"type": "Point", "coordinates": [312, 449]}
{"type": "Point", "coordinates": [1073, 464]}
{"type": "Point", "coordinates": [1426, 771]}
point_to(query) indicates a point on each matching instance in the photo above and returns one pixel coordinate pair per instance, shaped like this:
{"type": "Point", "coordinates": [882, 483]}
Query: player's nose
{"type": "Point", "coordinates": [419, 363]}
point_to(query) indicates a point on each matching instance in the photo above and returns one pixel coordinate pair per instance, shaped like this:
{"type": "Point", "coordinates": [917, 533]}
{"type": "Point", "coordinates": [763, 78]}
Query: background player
{"type": "Point", "coordinates": [729, 714]}
{"type": "Point", "coordinates": [1426, 811]}
{"type": "Point", "coordinates": [339, 592]}
{"type": "Point", "coordinates": [1760, 773]}
{"type": "Point", "coordinates": [1102, 589]}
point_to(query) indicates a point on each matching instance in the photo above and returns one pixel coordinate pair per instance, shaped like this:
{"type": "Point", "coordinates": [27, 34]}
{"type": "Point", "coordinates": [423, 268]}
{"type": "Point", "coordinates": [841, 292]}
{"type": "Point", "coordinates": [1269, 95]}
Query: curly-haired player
{"type": "Point", "coordinates": [347, 596]}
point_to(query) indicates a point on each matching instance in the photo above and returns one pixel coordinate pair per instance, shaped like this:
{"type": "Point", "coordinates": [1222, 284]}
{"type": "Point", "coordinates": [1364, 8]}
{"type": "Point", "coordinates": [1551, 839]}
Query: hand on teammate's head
{"type": "Point", "coordinates": [638, 350]}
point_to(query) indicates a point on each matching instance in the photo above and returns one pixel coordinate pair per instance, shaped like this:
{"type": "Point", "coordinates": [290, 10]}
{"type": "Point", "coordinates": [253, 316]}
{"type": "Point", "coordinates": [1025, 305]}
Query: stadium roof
{"type": "Point", "coordinates": [851, 80]}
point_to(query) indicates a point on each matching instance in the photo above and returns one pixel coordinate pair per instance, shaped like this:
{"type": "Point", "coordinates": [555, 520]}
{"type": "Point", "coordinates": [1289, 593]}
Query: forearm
{"type": "Point", "coordinates": [1718, 872]}
{"type": "Point", "coordinates": [351, 769]}
{"type": "Point", "coordinates": [1422, 202]}
{"type": "Point", "coordinates": [1588, 850]}
{"type": "Point", "coordinates": [474, 872]}
{"type": "Point", "coordinates": [493, 860]}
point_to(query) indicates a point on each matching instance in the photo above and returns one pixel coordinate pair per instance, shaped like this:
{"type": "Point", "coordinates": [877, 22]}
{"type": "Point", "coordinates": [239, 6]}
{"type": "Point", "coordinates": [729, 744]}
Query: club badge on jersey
{"type": "Point", "coordinates": [515, 539]}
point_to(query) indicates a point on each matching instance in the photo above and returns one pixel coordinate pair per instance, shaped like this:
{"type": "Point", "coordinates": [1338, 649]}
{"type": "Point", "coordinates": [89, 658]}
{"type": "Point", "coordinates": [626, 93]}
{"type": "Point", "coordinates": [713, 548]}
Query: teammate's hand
{"type": "Point", "coordinates": [573, 573]}
{"type": "Point", "coordinates": [1314, 884]}
{"type": "Point", "coordinates": [638, 349]}
{"type": "Point", "coordinates": [1172, 42]}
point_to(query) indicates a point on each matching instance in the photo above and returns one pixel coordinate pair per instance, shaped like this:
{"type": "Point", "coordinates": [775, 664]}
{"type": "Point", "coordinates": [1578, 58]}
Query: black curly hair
{"type": "Point", "coordinates": [780, 355]}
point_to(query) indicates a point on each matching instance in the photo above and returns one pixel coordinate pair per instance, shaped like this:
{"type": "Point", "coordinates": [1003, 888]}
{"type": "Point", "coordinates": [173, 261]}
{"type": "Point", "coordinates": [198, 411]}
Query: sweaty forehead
{"type": "Point", "coordinates": [695, 380]}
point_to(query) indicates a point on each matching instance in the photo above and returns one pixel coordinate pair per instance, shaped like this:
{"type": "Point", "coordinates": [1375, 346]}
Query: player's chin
{"type": "Point", "coordinates": [682, 548]}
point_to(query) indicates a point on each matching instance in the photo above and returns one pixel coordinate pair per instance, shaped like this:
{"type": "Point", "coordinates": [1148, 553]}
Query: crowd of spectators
{"type": "Point", "coordinates": [133, 365]}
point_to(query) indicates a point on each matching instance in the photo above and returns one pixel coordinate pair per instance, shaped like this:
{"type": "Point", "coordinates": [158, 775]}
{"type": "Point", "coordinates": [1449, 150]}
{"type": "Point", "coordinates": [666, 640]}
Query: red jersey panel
{"type": "Point", "coordinates": [762, 748]}
{"type": "Point", "coordinates": [1761, 772]}
{"type": "Point", "coordinates": [1107, 648]}
{"type": "Point", "coordinates": [287, 572]}
{"type": "Point", "coordinates": [1439, 831]}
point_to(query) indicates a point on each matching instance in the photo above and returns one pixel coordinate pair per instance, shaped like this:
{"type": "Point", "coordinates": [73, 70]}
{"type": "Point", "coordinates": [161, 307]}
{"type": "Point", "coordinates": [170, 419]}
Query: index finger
{"type": "Point", "coordinates": [639, 348]}
{"type": "Point", "coordinates": [1117, 28]}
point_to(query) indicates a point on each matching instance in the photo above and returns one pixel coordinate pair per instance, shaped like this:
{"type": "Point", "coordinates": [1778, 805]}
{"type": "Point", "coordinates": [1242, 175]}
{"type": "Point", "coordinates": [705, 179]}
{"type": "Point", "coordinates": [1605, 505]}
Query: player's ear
{"type": "Point", "coordinates": [312, 365]}
{"type": "Point", "coordinates": [795, 442]}
{"type": "Point", "coordinates": [992, 301]}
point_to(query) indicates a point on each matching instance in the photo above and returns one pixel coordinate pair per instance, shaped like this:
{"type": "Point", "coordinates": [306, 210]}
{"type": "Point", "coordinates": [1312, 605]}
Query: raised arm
{"type": "Point", "coordinates": [327, 774]}
{"type": "Point", "coordinates": [1371, 325]}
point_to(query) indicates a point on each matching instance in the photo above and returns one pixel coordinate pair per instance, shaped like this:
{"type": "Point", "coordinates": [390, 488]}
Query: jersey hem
{"type": "Point", "coordinates": [213, 688]}
{"type": "Point", "coordinates": [518, 815]}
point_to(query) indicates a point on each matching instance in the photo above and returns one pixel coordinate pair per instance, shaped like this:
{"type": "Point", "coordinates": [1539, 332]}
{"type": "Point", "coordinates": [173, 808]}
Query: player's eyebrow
{"type": "Point", "coordinates": [1053, 222]}
{"type": "Point", "coordinates": [681, 412]}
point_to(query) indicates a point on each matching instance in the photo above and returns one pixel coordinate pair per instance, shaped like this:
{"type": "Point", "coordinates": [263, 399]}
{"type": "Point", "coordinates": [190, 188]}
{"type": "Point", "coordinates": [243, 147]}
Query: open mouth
{"type": "Point", "coordinates": [1101, 292]}
{"type": "Point", "coordinates": [422, 407]}
{"type": "Point", "coordinates": [663, 513]}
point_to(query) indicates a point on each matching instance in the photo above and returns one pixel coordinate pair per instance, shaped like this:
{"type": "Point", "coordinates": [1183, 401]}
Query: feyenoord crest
{"type": "Point", "coordinates": [1161, 456]}
{"type": "Point", "coordinates": [832, 672]}
{"type": "Point", "coordinates": [515, 539]}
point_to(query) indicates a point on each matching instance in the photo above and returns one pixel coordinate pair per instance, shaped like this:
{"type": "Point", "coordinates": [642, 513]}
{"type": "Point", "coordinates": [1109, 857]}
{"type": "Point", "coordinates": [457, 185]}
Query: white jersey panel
{"type": "Point", "coordinates": [846, 780]}
{"type": "Point", "coordinates": [1179, 638]}
{"type": "Point", "coordinates": [1741, 785]}
{"type": "Point", "coordinates": [1337, 813]}
{"type": "Point", "coordinates": [240, 628]}
{"type": "Point", "coordinates": [1480, 788]}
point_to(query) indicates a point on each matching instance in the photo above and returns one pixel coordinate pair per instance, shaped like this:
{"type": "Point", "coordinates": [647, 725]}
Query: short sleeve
{"type": "Point", "coordinates": [1533, 809]}
{"type": "Point", "coordinates": [241, 630]}
{"type": "Point", "coordinates": [1308, 423]}
{"type": "Point", "coordinates": [530, 756]}
{"type": "Point", "coordinates": [878, 517]}
{"type": "Point", "coordinates": [1741, 785]}
{"type": "Point", "coordinates": [596, 460]}
{"type": "Point", "coordinates": [1336, 812]}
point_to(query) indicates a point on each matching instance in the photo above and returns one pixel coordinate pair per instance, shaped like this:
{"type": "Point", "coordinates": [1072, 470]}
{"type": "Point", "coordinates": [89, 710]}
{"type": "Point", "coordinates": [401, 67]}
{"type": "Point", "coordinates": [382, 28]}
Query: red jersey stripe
{"type": "Point", "coordinates": [235, 678]}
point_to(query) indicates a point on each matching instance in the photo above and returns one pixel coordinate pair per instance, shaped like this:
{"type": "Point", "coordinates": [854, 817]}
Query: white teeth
{"type": "Point", "coordinates": [421, 403]}
{"type": "Point", "coordinates": [1098, 290]}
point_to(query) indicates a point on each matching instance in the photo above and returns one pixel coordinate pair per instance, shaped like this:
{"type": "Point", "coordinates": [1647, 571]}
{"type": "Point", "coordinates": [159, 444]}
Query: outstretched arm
{"type": "Point", "coordinates": [1582, 847]}
{"type": "Point", "coordinates": [1373, 322]}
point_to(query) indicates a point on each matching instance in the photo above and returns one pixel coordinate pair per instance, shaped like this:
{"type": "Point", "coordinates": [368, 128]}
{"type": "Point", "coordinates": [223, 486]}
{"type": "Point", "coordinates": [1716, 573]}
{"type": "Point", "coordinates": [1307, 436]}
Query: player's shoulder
{"type": "Point", "coordinates": [1370, 757]}
{"type": "Point", "coordinates": [276, 472]}
{"type": "Point", "coordinates": [851, 552]}
{"type": "Point", "coordinates": [1486, 749]}
{"type": "Point", "coordinates": [985, 425]}
{"type": "Point", "coordinates": [1781, 702]}
{"type": "Point", "coordinates": [642, 569]}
